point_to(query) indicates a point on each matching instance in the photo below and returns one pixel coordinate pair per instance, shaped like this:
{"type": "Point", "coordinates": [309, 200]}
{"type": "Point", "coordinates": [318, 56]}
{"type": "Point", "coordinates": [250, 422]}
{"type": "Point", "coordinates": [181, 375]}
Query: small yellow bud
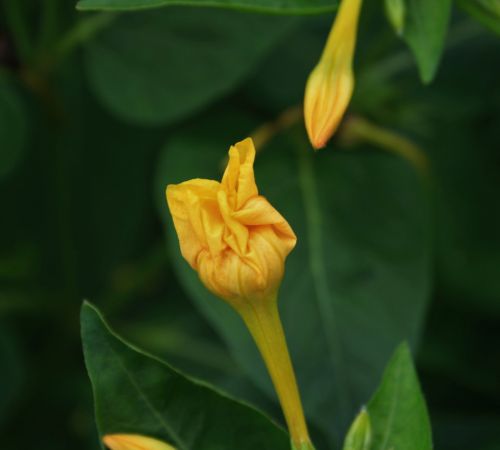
{"type": "Point", "coordinates": [359, 436]}
{"type": "Point", "coordinates": [231, 235]}
{"type": "Point", "coordinates": [134, 442]}
{"type": "Point", "coordinates": [331, 83]}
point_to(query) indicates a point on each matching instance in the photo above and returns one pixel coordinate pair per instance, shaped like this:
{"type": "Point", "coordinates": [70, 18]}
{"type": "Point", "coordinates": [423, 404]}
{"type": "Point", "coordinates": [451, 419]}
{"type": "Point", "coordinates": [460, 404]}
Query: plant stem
{"type": "Point", "coordinates": [264, 323]}
{"type": "Point", "coordinates": [359, 129]}
{"type": "Point", "coordinates": [83, 31]}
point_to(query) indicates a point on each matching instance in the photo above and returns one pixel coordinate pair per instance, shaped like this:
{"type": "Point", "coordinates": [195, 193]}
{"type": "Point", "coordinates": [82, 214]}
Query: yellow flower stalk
{"type": "Point", "coordinates": [237, 242]}
{"type": "Point", "coordinates": [331, 83]}
{"type": "Point", "coordinates": [134, 442]}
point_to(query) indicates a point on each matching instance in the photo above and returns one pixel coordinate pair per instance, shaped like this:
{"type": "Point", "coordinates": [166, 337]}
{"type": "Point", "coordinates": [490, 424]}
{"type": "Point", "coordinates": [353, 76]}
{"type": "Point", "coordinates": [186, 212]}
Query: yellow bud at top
{"type": "Point", "coordinates": [331, 83]}
{"type": "Point", "coordinates": [134, 442]}
{"type": "Point", "coordinates": [231, 235]}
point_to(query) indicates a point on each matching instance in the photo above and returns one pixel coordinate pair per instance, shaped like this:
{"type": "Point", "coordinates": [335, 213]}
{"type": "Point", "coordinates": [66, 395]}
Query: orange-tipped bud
{"type": "Point", "coordinates": [134, 442]}
{"type": "Point", "coordinates": [331, 83]}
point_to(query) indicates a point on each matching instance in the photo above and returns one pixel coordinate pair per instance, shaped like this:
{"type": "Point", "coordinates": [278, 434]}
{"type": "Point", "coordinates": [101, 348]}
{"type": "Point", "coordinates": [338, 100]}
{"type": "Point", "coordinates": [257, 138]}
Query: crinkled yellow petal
{"type": "Point", "coordinates": [238, 179]}
{"type": "Point", "coordinates": [134, 442]}
{"type": "Point", "coordinates": [233, 237]}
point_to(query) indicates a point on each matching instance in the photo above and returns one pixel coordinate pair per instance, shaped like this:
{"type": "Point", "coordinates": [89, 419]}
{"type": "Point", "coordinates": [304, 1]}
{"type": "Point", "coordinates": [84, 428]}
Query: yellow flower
{"type": "Point", "coordinates": [229, 234]}
{"type": "Point", "coordinates": [134, 442]}
{"type": "Point", "coordinates": [331, 83]}
{"type": "Point", "coordinates": [238, 243]}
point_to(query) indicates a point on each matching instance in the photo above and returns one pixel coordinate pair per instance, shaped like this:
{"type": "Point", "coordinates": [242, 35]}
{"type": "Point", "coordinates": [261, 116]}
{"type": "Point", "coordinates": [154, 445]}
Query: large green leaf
{"type": "Point", "coordinates": [424, 30]}
{"type": "Point", "coordinates": [398, 411]}
{"type": "Point", "coordinates": [155, 67]}
{"type": "Point", "coordinates": [457, 120]}
{"type": "Point", "coordinates": [13, 127]}
{"type": "Point", "coordinates": [273, 6]}
{"type": "Point", "coordinates": [358, 281]}
{"type": "Point", "coordinates": [139, 394]}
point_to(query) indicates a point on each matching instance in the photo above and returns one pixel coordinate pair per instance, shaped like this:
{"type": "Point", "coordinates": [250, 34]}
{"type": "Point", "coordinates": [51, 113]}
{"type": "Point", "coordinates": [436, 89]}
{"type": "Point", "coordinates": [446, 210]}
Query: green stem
{"type": "Point", "coordinates": [325, 299]}
{"type": "Point", "coordinates": [264, 324]}
{"type": "Point", "coordinates": [82, 32]}
{"type": "Point", "coordinates": [359, 129]}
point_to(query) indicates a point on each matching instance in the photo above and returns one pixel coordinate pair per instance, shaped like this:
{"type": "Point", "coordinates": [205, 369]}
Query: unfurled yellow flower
{"type": "Point", "coordinates": [331, 83]}
{"type": "Point", "coordinates": [237, 242]}
{"type": "Point", "coordinates": [228, 233]}
{"type": "Point", "coordinates": [134, 442]}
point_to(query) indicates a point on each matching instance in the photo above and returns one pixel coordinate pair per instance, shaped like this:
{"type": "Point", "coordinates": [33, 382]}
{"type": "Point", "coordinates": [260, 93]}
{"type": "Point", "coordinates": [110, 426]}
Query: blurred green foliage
{"type": "Point", "coordinates": [98, 112]}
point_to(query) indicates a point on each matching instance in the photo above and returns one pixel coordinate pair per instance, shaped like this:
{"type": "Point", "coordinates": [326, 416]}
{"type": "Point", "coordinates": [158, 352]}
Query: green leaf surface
{"type": "Point", "coordinates": [459, 129]}
{"type": "Point", "coordinates": [485, 11]}
{"type": "Point", "coordinates": [270, 6]}
{"type": "Point", "coordinates": [425, 32]}
{"type": "Point", "coordinates": [397, 410]}
{"type": "Point", "coordinates": [357, 282]}
{"type": "Point", "coordinates": [138, 394]}
{"type": "Point", "coordinates": [155, 67]}
{"type": "Point", "coordinates": [13, 127]}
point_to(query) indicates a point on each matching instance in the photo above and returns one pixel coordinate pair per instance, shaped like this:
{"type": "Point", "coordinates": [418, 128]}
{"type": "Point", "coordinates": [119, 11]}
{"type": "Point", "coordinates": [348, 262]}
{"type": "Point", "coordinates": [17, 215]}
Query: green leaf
{"type": "Point", "coordinates": [155, 67]}
{"type": "Point", "coordinates": [485, 11]}
{"type": "Point", "coordinates": [138, 394]}
{"type": "Point", "coordinates": [395, 11]}
{"type": "Point", "coordinates": [397, 410]}
{"type": "Point", "coordinates": [13, 127]}
{"type": "Point", "coordinates": [425, 32]}
{"type": "Point", "coordinates": [357, 282]}
{"type": "Point", "coordinates": [269, 6]}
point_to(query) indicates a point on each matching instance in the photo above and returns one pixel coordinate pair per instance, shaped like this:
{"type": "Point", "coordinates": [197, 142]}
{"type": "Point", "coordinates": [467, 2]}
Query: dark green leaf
{"type": "Point", "coordinates": [159, 66]}
{"type": "Point", "coordinates": [398, 411]}
{"type": "Point", "coordinates": [273, 6]}
{"type": "Point", "coordinates": [13, 371]}
{"type": "Point", "coordinates": [13, 127]}
{"type": "Point", "coordinates": [424, 31]}
{"type": "Point", "coordinates": [139, 394]}
{"type": "Point", "coordinates": [358, 281]}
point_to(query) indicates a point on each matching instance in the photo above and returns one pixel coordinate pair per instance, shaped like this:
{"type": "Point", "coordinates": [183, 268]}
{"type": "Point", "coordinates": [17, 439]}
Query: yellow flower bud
{"type": "Point", "coordinates": [134, 442]}
{"type": "Point", "coordinates": [331, 83]}
{"type": "Point", "coordinates": [238, 243]}
{"type": "Point", "coordinates": [229, 234]}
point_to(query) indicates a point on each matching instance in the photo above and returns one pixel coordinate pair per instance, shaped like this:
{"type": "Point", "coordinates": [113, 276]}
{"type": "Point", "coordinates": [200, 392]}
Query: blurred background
{"type": "Point", "coordinates": [96, 111]}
